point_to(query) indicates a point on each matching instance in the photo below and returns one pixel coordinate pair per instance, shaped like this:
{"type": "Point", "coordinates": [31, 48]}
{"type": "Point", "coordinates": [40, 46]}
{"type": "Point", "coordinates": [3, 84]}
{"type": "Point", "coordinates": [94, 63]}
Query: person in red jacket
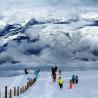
{"type": "Point", "coordinates": [70, 84]}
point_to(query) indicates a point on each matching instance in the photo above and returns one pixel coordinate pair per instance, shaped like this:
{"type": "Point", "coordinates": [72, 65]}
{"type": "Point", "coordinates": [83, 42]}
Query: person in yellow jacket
{"type": "Point", "coordinates": [60, 82]}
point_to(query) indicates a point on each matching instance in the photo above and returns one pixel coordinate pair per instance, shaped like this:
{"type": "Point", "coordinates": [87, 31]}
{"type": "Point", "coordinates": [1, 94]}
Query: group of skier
{"type": "Point", "coordinates": [75, 79]}
{"type": "Point", "coordinates": [72, 82]}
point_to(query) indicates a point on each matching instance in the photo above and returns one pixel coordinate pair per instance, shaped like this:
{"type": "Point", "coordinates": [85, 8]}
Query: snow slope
{"type": "Point", "coordinates": [45, 88]}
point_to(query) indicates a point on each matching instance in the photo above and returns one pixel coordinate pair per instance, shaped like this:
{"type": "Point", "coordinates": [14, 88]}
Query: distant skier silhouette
{"type": "Point", "coordinates": [77, 79]}
{"type": "Point", "coordinates": [25, 70]}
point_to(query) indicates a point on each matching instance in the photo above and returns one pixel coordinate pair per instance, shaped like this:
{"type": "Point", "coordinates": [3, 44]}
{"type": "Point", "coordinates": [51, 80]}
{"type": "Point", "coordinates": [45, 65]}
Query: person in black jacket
{"type": "Point", "coordinates": [54, 70]}
{"type": "Point", "coordinates": [77, 79]}
{"type": "Point", "coordinates": [26, 72]}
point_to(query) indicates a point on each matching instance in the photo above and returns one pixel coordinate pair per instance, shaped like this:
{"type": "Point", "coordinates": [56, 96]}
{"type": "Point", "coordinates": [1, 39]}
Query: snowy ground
{"type": "Point", "coordinates": [45, 88]}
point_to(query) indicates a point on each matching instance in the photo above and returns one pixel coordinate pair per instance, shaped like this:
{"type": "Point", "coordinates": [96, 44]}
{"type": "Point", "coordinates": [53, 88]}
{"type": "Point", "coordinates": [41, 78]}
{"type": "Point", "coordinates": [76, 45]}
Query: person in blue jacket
{"type": "Point", "coordinates": [73, 79]}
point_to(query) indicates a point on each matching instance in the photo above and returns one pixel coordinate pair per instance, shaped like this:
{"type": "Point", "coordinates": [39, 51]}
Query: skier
{"type": "Point", "coordinates": [54, 70]}
{"type": "Point", "coordinates": [61, 82]}
{"type": "Point", "coordinates": [36, 73]}
{"type": "Point", "coordinates": [25, 70]}
{"type": "Point", "coordinates": [70, 84]}
{"type": "Point", "coordinates": [60, 72]}
{"type": "Point", "coordinates": [73, 79]}
{"type": "Point", "coordinates": [77, 79]}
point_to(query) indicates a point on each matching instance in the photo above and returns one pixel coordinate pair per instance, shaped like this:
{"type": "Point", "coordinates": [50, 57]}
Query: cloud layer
{"type": "Point", "coordinates": [73, 39]}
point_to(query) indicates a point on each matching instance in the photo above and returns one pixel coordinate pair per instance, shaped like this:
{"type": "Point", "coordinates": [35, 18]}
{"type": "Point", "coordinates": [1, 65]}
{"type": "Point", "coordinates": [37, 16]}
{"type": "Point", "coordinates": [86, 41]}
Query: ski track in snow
{"type": "Point", "coordinates": [17, 81]}
{"type": "Point", "coordinates": [49, 92]}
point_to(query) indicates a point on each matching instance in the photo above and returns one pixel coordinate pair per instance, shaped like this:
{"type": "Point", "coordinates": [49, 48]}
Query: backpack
{"type": "Point", "coordinates": [60, 81]}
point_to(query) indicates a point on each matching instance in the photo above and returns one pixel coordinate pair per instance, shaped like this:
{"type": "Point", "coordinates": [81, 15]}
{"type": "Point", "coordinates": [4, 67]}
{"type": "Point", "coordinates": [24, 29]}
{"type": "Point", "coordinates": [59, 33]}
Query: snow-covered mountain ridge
{"type": "Point", "coordinates": [50, 40]}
